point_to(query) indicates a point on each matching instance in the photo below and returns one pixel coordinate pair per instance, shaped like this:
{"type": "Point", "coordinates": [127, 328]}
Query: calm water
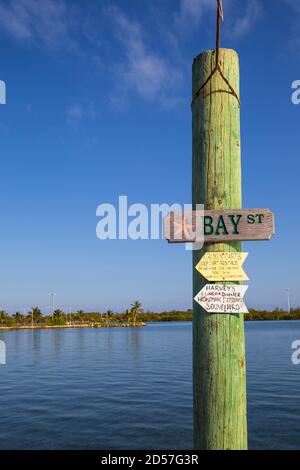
{"type": "Point", "coordinates": [132, 388]}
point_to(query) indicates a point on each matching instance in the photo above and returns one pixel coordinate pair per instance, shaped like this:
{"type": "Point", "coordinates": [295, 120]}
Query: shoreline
{"type": "Point", "coordinates": [73, 326]}
{"type": "Point", "coordinates": [121, 325]}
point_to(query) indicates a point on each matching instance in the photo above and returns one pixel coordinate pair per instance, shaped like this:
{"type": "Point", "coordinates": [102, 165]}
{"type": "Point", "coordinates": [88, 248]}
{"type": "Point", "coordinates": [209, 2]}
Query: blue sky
{"type": "Point", "coordinates": [98, 105]}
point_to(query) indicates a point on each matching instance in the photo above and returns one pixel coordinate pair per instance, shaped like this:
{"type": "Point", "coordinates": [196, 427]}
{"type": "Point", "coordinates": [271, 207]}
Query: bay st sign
{"type": "Point", "coordinates": [219, 226]}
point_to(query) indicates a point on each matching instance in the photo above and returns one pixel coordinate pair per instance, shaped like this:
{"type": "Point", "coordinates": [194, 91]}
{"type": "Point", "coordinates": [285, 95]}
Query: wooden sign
{"type": "Point", "coordinates": [219, 226]}
{"type": "Point", "coordinates": [217, 266]}
{"type": "Point", "coordinates": [222, 298]}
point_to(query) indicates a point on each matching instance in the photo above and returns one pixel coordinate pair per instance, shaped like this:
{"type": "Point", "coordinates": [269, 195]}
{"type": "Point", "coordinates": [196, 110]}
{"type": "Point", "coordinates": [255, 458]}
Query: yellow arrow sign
{"type": "Point", "coordinates": [217, 266]}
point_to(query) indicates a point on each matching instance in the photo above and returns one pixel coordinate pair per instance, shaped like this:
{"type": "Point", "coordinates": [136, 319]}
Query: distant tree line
{"type": "Point", "coordinates": [253, 315]}
{"type": "Point", "coordinates": [277, 314]}
{"type": "Point", "coordinates": [35, 317]}
{"type": "Point", "coordinates": [135, 315]}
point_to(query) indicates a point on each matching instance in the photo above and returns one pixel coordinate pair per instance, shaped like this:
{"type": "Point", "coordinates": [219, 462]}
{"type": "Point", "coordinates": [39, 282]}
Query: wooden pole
{"type": "Point", "coordinates": [219, 371]}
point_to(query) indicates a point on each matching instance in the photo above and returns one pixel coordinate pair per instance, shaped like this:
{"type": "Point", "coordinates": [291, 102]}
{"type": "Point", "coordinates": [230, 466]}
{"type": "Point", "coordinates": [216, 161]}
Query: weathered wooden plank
{"type": "Point", "coordinates": [219, 226]}
{"type": "Point", "coordinates": [219, 373]}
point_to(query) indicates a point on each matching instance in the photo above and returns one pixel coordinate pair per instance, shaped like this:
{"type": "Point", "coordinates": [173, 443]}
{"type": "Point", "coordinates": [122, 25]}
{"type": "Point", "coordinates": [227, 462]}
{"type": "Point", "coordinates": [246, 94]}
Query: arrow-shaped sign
{"type": "Point", "coordinates": [217, 266]}
{"type": "Point", "coordinates": [221, 298]}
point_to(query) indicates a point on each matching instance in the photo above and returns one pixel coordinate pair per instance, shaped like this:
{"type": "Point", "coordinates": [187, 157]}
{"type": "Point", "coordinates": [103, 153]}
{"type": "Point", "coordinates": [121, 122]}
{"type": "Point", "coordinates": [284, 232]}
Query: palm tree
{"type": "Point", "coordinates": [3, 316]}
{"type": "Point", "coordinates": [127, 315]}
{"type": "Point", "coordinates": [80, 315]}
{"type": "Point", "coordinates": [57, 314]}
{"type": "Point", "coordinates": [19, 318]}
{"type": "Point", "coordinates": [35, 314]}
{"type": "Point", "coordinates": [58, 317]}
{"type": "Point", "coordinates": [136, 308]}
{"type": "Point", "coordinates": [109, 314]}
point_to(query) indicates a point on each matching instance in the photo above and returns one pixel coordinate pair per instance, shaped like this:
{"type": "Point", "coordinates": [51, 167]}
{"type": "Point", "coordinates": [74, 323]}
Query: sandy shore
{"type": "Point", "coordinates": [81, 325]}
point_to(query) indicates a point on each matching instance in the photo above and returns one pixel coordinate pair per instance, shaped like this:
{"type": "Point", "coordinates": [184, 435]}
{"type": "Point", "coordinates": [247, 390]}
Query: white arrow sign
{"type": "Point", "coordinates": [222, 298]}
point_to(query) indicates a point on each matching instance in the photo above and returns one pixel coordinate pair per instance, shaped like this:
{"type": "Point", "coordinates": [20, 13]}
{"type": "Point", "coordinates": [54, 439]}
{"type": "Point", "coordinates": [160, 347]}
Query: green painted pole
{"type": "Point", "coordinates": [219, 367]}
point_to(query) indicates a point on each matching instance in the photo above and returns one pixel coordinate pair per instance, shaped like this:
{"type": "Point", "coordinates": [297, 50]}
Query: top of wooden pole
{"type": "Point", "coordinates": [225, 50]}
{"type": "Point", "coordinates": [214, 67]}
{"type": "Point", "coordinates": [218, 65]}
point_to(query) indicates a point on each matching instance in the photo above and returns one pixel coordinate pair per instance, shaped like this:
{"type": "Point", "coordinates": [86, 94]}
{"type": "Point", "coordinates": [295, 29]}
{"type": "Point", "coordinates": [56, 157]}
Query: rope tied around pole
{"type": "Point", "coordinates": [217, 68]}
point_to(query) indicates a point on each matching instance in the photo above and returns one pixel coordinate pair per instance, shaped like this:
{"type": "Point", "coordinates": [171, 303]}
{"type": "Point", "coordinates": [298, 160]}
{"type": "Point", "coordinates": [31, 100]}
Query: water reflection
{"type": "Point", "coordinates": [132, 388]}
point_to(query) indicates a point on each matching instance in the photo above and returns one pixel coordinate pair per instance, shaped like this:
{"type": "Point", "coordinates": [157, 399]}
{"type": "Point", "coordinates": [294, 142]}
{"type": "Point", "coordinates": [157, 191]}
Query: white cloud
{"type": "Point", "coordinates": [293, 3]}
{"type": "Point", "coordinates": [245, 22]}
{"type": "Point", "coordinates": [74, 114]}
{"type": "Point", "coordinates": [141, 67]}
{"type": "Point", "coordinates": [191, 12]}
{"type": "Point", "coordinates": [49, 21]}
{"type": "Point", "coordinates": [160, 78]}
{"type": "Point", "coordinates": [294, 42]}
{"type": "Point", "coordinates": [77, 112]}
{"type": "Point", "coordinates": [143, 70]}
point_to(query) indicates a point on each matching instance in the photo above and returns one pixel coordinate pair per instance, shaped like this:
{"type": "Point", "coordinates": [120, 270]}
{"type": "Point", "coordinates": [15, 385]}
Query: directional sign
{"type": "Point", "coordinates": [221, 298]}
{"type": "Point", "coordinates": [219, 226]}
{"type": "Point", "coordinates": [217, 266]}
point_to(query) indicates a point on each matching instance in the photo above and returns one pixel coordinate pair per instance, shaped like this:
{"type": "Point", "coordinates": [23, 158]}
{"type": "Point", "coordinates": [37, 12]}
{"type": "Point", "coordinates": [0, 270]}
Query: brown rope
{"type": "Point", "coordinates": [217, 67]}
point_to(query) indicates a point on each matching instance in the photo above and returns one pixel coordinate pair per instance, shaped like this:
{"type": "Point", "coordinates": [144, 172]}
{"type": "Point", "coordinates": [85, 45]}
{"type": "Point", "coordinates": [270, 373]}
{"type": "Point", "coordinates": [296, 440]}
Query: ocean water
{"type": "Point", "coordinates": [124, 388]}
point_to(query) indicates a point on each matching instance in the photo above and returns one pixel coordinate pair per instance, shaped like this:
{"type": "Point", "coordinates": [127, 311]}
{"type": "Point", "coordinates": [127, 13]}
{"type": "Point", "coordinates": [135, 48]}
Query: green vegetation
{"type": "Point", "coordinates": [253, 315]}
{"type": "Point", "coordinates": [131, 317]}
{"type": "Point", "coordinates": [276, 314]}
{"type": "Point", "coordinates": [136, 309]}
{"type": "Point", "coordinates": [135, 316]}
